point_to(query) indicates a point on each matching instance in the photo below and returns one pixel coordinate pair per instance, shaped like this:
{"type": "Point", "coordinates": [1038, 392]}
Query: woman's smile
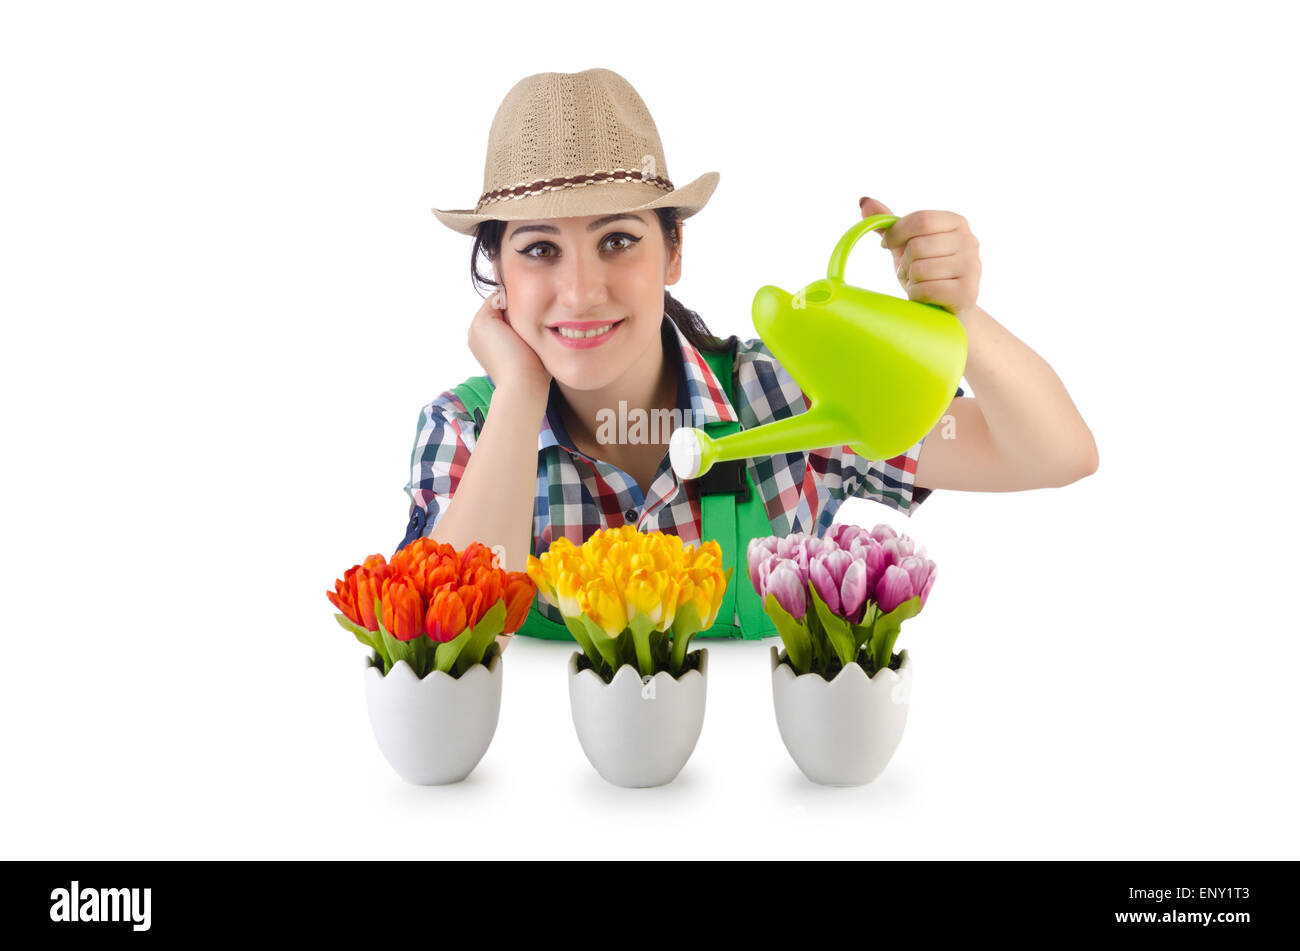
{"type": "Point", "coordinates": [583, 335]}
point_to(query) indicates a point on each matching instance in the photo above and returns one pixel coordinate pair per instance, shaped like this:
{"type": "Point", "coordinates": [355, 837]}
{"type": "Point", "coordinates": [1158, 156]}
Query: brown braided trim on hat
{"type": "Point", "coordinates": [578, 181]}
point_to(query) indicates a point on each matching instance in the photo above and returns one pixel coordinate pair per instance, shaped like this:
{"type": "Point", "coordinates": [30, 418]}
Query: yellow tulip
{"type": "Point", "coordinates": [568, 588]}
{"type": "Point", "coordinates": [671, 584]}
{"type": "Point", "coordinates": [546, 569]}
{"type": "Point", "coordinates": [537, 573]}
{"type": "Point", "coordinates": [707, 556]}
{"type": "Point", "coordinates": [603, 603]}
{"type": "Point", "coordinates": [706, 595]}
{"type": "Point", "coordinates": [653, 594]}
{"type": "Point", "coordinates": [668, 551]}
{"type": "Point", "coordinates": [619, 573]}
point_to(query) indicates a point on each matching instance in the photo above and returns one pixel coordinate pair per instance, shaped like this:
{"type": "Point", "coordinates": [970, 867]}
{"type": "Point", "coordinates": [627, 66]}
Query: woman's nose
{"type": "Point", "coordinates": [583, 283]}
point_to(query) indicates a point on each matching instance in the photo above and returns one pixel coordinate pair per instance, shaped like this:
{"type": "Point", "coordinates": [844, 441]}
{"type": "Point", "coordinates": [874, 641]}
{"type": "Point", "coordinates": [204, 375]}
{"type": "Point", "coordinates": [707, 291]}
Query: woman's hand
{"type": "Point", "coordinates": [504, 355]}
{"type": "Point", "coordinates": [936, 257]}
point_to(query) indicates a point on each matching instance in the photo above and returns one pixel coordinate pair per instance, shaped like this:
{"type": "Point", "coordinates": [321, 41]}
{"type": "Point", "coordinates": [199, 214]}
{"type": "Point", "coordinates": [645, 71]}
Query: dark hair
{"type": "Point", "coordinates": [487, 241]}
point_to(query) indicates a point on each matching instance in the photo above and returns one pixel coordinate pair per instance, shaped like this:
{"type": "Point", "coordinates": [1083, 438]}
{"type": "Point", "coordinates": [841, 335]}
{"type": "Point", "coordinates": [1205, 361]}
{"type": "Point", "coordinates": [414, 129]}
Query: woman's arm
{"type": "Point", "coordinates": [494, 499]}
{"type": "Point", "coordinates": [1022, 430]}
{"type": "Point", "coordinates": [493, 503]}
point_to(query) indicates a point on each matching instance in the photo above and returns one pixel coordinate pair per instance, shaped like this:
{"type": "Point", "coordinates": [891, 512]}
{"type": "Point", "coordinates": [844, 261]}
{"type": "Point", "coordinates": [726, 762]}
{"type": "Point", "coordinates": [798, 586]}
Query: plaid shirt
{"type": "Point", "coordinates": [577, 494]}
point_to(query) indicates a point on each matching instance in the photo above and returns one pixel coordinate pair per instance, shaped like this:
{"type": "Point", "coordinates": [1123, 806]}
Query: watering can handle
{"type": "Point", "coordinates": [840, 256]}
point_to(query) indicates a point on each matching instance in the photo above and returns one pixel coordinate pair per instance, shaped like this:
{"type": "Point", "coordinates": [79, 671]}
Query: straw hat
{"type": "Point", "coordinates": [570, 144]}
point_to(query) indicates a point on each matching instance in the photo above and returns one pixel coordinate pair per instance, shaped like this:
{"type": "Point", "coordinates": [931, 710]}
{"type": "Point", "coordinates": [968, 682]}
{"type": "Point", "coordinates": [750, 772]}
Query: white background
{"type": "Point", "coordinates": [225, 301]}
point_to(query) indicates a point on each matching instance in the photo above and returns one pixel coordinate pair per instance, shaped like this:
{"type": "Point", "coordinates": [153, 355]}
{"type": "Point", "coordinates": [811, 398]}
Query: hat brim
{"type": "Point", "coordinates": [598, 199]}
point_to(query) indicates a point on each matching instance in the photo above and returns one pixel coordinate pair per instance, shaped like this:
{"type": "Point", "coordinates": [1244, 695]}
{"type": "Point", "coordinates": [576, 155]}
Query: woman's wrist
{"type": "Point", "coordinates": [524, 396]}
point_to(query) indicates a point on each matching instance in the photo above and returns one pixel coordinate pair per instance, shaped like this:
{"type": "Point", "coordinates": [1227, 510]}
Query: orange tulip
{"type": "Point", "coordinates": [352, 604]}
{"type": "Point", "coordinates": [476, 553]}
{"type": "Point", "coordinates": [431, 588]}
{"type": "Point", "coordinates": [369, 587]}
{"type": "Point", "coordinates": [344, 595]}
{"type": "Point", "coordinates": [436, 574]}
{"type": "Point", "coordinates": [446, 615]}
{"type": "Point", "coordinates": [472, 598]}
{"type": "Point", "coordinates": [403, 609]}
{"type": "Point", "coordinates": [519, 594]}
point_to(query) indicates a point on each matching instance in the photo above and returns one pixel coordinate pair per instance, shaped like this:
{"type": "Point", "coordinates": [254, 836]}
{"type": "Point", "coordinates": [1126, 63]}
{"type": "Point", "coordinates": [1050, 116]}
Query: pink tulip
{"type": "Point", "coordinates": [843, 534]}
{"type": "Point", "coordinates": [799, 555]}
{"type": "Point", "coordinates": [894, 587]}
{"type": "Point", "coordinates": [765, 570]}
{"type": "Point", "coordinates": [785, 583]}
{"type": "Point", "coordinates": [872, 555]}
{"type": "Point", "coordinates": [853, 591]}
{"type": "Point", "coordinates": [760, 549]}
{"type": "Point", "coordinates": [826, 571]}
{"type": "Point", "coordinates": [849, 568]}
{"type": "Point", "coordinates": [920, 572]}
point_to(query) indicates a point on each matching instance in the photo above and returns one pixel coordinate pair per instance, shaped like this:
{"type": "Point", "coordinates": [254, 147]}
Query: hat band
{"type": "Point", "coordinates": [577, 181]}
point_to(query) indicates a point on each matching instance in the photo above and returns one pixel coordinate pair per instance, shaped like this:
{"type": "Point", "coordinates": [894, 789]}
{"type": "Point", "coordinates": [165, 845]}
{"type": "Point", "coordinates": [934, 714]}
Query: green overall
{"type": "Point", "coordinates": [731, 510]}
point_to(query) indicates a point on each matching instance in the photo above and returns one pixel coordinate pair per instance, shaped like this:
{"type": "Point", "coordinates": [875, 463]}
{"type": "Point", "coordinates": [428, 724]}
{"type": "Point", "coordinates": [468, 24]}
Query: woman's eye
{"type": "Point", "coordinates": [628, 240]}
{"type": "Point", "coordinates": [631, 239]}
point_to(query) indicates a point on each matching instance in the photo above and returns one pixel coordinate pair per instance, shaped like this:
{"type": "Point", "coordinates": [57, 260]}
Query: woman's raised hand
{"type": "Point", "coordinates": [504, 355]}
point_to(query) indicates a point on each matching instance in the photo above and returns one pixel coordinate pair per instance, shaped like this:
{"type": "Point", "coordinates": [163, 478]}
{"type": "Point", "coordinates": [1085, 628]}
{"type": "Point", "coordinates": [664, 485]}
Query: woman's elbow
{"type": "Point", "coordinates": [1082, 465]}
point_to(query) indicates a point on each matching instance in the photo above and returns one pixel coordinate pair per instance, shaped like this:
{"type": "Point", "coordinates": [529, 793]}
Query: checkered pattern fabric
{"type": "Point", "coordinates": [577, 494]}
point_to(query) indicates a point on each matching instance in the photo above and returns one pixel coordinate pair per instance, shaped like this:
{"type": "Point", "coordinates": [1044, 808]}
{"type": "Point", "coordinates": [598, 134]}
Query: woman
{"type": "Point", "coordinates": [582, 227]}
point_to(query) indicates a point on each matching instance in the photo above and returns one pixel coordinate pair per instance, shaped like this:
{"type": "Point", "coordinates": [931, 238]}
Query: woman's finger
{"type": "Point", "coordinates": [935, 292]}
{"type": "Point", "coordinates": [938, 269]}
{"type": "Point", "coordinates": [929, 246]}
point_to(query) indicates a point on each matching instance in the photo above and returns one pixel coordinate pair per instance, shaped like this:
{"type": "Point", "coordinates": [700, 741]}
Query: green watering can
{"type": "Point", "coordinates": [878, 371]}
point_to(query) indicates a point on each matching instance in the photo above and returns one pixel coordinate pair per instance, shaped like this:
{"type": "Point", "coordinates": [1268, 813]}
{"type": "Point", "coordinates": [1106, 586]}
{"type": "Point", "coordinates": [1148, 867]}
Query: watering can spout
{"type": "Point", "coordinates": [878, 371]}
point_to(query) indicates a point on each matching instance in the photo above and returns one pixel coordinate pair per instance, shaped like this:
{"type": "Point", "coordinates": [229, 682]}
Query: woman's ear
{"type": "Point", "coordinates": [673, 272]}
{"type": "Point", "coordinates": [501, 285]}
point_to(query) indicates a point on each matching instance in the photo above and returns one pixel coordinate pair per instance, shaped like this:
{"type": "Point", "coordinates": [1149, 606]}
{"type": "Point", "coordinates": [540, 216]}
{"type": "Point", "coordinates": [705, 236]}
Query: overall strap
{"type": "Point", "coordinates": [731, 513]}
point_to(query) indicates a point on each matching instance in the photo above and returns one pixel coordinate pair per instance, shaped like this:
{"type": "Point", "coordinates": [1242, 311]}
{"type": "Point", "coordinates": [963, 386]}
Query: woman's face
{"type": "Point", "coordinates": [587, 294]}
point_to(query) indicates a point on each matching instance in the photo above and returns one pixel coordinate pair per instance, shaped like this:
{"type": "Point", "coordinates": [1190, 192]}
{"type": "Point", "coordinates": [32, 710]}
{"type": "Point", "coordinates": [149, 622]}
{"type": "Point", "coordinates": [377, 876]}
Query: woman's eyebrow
{"type": "Point", "coordinates": [598, 223]}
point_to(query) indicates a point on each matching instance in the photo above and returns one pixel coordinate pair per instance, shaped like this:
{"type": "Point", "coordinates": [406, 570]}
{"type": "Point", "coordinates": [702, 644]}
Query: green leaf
{"type": "Point", "coordinates": [886, 629]}
{"type": "Point", "coordinates": [686, 624]}
{"type": "Point", "coordinates": [822, 652]}
{"type": "Point", "coordinates": [625, 647]}
{"type": "Point", "coordinates": [794, 634]}
{"type": "Point", "coordinates": [641, 627]}
{"type": "Point", "coordinates": [605, 645]}
{"type": "Point", "coordinates": [579, 632]}
{"type": "Point", "coordinates": [681, 644]}
{"type": "Point", "coordinates": [834, 627]}
{"type": "Point", "coordinates": [905, 611]}
{"type": "Point", "coordinates": [485, 631]}
{"type": "Point", "coordinates": [660, 649]}
{"type": "Point", "coordinates": [381, 644]}
{"type": "Point", "coordinates": [421, 651]}
{"type": "Point", "coordinates": [394, 649]}
{"type": "Point", "coordinates": [861, 635]}
{"type": "Point", "coordinates": [447, 653]}
{"type": "Point", "coordinates": [687, 619]}
{"type": "Point", "coordinates": [361, 633]}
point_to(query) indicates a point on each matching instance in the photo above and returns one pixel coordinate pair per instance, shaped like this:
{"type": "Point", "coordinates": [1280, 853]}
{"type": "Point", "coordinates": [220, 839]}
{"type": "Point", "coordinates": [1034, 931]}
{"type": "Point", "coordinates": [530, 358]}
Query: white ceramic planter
{"type": "Point", "coordinates": [638, 734]}
{"type": "Point", "coordinates": [433, 731]}
{"type": "Point", "coordinates": [841, 732]}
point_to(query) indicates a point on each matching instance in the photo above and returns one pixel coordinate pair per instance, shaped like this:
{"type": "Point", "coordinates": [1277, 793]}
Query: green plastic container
{"type": "Point", "coordinates": [879, 371]}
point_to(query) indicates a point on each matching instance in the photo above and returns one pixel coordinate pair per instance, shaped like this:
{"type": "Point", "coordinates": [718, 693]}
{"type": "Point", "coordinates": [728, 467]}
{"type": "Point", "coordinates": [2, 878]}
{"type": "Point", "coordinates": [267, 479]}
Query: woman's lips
{"type": "Point", "coordinates": [585, 342]}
